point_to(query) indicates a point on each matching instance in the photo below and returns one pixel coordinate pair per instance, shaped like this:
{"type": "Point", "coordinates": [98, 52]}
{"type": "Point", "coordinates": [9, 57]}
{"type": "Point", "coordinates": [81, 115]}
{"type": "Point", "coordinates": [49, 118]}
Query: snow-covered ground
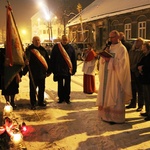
{"type": "Point", "coordinates": [76, 126]}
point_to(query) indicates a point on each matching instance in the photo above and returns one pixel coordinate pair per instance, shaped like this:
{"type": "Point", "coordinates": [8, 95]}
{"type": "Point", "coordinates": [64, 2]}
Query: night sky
{"type": "Point", "coordinates": [23, 10]}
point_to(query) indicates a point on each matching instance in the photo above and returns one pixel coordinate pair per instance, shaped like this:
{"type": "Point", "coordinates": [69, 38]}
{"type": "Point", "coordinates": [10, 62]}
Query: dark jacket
{"type": "Point", "coordinates": [2, 59]}
{"type": "Point", "coordinates": [37, 69]}
{"type": "Point", "coordinates": [145, 76]}
{"type": "Point", "coordinates": [58, 64]}
{"type": "Point", "coordinates": [128, 45]}
{"type": "Point", "coordinates": [135, 56]}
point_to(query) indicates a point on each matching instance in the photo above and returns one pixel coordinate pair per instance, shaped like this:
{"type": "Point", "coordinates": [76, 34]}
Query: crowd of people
{"type": "Point", "coordinates": [37, 62]}
{"type": "Point", "coordinates": [124, 75]}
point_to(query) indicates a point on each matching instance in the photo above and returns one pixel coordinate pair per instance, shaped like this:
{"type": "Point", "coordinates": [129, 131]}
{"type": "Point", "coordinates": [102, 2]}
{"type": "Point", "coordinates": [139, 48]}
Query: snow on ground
{"type": "Point", "coordinates": [76, 126]}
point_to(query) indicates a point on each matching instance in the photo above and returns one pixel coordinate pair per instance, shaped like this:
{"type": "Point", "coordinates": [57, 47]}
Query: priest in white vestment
{"type": "Point", "coordinates": [115, 82]}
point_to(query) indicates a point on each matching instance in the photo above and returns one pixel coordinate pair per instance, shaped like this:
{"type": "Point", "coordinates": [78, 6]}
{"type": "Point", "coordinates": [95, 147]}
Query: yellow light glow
{"type": "Point", "coordinates": [17, 138]}
{"type": "Point", "coordinates": [24, 31]}
{"type": "Point", "coordinates": [8, 109]}
{"type": "Point", "coordinates": [38, 19]}
{"type": "Point", "coordinates": [45, 10]}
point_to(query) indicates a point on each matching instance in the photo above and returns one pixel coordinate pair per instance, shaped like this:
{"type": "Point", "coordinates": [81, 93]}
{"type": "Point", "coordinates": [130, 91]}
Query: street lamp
{"type": "Point", "coordinates": [49, 29]}
{"type": "Point", "coordinates": [48, 17]}
{"type": "Point", "coordinates": [24, 31]}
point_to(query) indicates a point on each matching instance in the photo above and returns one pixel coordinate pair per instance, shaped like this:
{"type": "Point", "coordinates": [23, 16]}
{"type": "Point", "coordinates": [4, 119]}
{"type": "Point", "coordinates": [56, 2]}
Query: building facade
{"type": "Point", "coordinates": [98, 19]}
{"type": "Point", "coordinates": [48, 30]}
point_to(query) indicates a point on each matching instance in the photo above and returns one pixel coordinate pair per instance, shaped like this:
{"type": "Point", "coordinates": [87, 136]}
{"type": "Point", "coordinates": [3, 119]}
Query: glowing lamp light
{"type": "Point", "coordinates": [24, 32]}
{"type": "Point", "coordinates": [24, 128]}
{"type": "Point", "coordinates": [8, 109]}
{"type": "Point", "coordinates": [17, 137]}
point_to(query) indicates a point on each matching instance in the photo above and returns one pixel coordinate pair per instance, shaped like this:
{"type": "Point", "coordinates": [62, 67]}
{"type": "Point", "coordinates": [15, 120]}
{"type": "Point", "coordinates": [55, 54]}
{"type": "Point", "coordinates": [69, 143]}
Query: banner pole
{"type": "Point", "coordinates": [31, 76]}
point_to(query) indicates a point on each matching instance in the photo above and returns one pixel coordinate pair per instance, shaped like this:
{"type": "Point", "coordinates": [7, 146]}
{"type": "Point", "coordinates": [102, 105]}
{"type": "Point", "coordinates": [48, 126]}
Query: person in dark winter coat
{"type": "Point", "coordinates": [38, 60]}
{"type": "Point", "coordinates": [144, 70]}
{"type": "Point", "coordinates": [13, 88]}
{"type": "Point", "coordinates": [63, 65]}
{"type": "Point", "coordinates": [135, 55]}
{"type": "Point", "coordinates": [2, 59]}
{"type": "Point", "coordinates": [127, 44]}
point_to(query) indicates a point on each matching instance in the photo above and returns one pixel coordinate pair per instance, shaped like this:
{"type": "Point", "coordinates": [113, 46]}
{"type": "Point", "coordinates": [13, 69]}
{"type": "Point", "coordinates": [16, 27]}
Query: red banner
{"type": "Point", "coordinates": [14, 50]}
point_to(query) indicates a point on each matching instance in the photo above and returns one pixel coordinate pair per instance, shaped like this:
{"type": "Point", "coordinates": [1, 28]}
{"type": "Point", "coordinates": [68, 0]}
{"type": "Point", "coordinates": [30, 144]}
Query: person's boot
{"type": "Point", "coordinates": [13, 103]}
{"type": "Point", "coordinates": [147, 118]}
{"type": "Point", "coordinates": [131, 106]}
{"type": "Point", "coordinates": [139, 109]}
{"type": "Point", "coordinates": [7, 98]}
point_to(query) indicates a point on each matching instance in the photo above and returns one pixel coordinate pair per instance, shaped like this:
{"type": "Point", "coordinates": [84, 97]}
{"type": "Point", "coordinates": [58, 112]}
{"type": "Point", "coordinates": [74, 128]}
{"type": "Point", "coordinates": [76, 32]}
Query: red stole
{"type": "Point", "coordinates": [40, 58]}
{"type": "Point", "coordinates": [66, 57]}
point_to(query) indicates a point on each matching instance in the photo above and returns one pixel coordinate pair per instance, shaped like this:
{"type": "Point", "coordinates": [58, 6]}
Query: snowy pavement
{"type": "Point", "coordinates": [76, 126]}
